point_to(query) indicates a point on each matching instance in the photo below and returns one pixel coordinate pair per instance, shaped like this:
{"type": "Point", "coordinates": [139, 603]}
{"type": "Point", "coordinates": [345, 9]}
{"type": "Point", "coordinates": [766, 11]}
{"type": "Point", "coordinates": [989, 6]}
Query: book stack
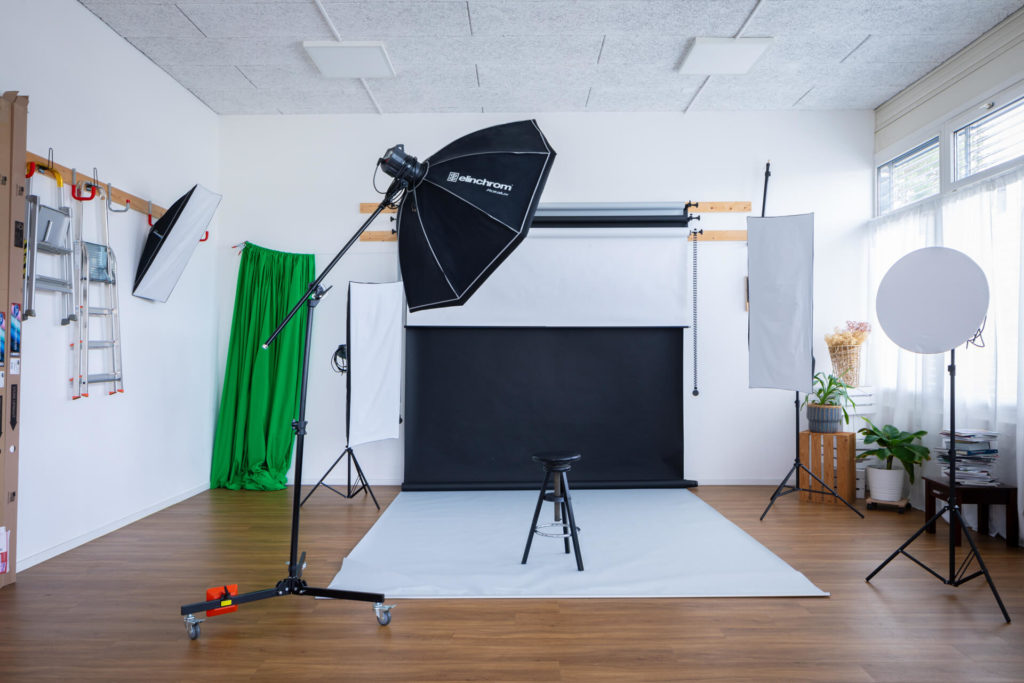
{"type": "Point", "coordinates": [976, 455]}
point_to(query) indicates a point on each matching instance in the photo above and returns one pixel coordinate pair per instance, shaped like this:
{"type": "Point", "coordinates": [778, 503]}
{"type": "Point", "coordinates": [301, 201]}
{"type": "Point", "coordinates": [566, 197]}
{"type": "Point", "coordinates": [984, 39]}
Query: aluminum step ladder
{"type": "Point", "coordinates": [49, 233]}
{"type": "Point", "coordinates": [97, 360]}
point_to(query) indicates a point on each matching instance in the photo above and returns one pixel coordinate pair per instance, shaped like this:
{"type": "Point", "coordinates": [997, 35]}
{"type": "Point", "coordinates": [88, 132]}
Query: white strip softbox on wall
{"type": "Point", "coordinates": [780, 268]}
{"type": "Point", "coordinates": [374, 361]}
{"type": "Point", "coordinates": [171, 241]}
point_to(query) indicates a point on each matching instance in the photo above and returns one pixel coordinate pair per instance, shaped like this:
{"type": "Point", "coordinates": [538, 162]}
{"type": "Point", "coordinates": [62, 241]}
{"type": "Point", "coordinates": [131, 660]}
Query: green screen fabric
{"type": "Point", "coordinates": [252, 447]}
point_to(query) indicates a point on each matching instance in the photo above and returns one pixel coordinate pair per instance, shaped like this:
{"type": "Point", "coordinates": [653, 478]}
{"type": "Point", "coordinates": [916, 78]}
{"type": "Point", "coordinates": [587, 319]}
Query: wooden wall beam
{"type": "Point", "coordinates": [117, 196]}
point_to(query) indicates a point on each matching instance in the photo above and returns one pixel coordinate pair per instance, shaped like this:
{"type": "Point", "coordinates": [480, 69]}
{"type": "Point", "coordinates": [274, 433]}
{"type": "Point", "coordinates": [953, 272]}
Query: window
{"type": "Point", "coordinates": [909, 177]}
{"type": "Point", "coordinates": [989, 141]}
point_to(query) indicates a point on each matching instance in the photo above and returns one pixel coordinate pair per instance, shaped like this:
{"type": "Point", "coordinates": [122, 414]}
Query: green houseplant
{"type": "Point", "coordinates": [826, 404]}
{"type": "Point", "coordinates": [892, 443]}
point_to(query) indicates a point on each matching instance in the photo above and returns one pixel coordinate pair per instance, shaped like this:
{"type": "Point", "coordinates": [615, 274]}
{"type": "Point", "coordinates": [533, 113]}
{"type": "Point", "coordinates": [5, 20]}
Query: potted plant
{"type": "Point", "coordinates": [826, 404]}
{"type": "Point", "coordinates": [892, 443]}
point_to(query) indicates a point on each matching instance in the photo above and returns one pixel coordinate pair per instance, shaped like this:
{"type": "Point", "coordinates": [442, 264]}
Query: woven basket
{"type": "Point", "coordinates": [846, 363]}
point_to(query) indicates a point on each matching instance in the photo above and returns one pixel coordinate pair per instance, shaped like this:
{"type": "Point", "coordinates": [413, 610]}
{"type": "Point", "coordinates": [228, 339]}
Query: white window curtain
{"type": "Point", "coordinates": [985, 221]}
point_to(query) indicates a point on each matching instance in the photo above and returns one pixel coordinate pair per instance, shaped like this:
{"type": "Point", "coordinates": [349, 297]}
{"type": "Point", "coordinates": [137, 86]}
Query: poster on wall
{"type": "Point", "coordinates": [15, 330]}
{"type": "Point", "coordinates": [3, 339]}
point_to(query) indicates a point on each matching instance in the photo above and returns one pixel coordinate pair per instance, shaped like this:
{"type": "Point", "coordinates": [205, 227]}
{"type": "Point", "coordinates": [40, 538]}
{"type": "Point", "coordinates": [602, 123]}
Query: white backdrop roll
{"type": "Point", "coordinates": [780, 268]}
{"type": "Point", "coordinates": [375, 361]}
{"type": "Point", "coordinates": [581, 277]}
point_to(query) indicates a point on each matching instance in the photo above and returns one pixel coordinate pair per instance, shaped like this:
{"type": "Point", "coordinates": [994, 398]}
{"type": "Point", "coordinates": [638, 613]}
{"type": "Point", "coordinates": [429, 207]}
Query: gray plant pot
{"type": "Point", "coordinates": [824, 419]}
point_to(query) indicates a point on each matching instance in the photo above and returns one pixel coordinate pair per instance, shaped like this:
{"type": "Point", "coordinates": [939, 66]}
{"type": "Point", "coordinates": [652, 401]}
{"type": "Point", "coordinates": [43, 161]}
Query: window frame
{"type": "Point", "coordinates": [945, 129]}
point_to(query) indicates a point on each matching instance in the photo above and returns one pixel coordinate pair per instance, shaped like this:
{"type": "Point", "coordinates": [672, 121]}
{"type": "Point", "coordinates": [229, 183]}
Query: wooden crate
{"type": "Point", "coordinates": [831, 457]}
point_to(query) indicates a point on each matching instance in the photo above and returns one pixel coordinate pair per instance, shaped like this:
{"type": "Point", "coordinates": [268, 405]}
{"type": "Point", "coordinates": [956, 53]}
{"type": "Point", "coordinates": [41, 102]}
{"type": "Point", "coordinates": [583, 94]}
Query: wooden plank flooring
{"type": "Point", "coordinates": [109, 610]}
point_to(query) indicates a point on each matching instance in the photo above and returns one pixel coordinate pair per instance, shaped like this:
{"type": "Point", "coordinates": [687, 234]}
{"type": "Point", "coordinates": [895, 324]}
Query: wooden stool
{"type": "Point", "coordinates": [982, 496]}
{"type": "Point", "coordinates": [556, 463]}
{"type": "Point", "coordinates": [831, 457]}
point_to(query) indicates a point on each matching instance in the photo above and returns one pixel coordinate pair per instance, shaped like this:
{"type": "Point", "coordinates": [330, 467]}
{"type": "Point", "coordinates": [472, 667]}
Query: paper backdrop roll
{"type": "Point", "coordinates": [375, 361]}
{"type": "Point", "coordinates": [171, 242]}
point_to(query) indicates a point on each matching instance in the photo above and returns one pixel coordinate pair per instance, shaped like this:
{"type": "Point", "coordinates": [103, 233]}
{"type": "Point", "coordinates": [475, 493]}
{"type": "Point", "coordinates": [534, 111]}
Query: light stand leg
{"type": "Point", "coordinates": [956, 576]}
{"type": "Point", "coordinates": [364, 485]}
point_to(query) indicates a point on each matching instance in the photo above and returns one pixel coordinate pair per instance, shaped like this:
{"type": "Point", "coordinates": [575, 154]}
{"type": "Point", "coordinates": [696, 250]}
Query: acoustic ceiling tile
{"type": "Point", "coordinates": [437, 100]}
{"type": "Point", "coordinates": [878, 16]}
{"type": "Point", "coordinates": [665, 51]}
{"type": "Point", "coordinates": [747, 92]}
{"type": "Point", "coordinates": [386, 19]}
{"type": "Point", "coordinates": [241, 101]}
{"type": "Point", "coordinates": [208, 77]}
{"type": "Point", "coordinates": [608, 75]}
{"type": "Point", "coordinates": [325, 102]}
{"type": "Point", "coordinates": [131, 19]}
{"type": "Point", "coordinates": [650, 17]}
{"type": "Point", "coordinates": [640, 99]}
{"type": "Point", "coordinates": [422, 87]}
{"type": "Point", "coordinates": [284, 76]}
{"type": "Point", "coordinates": [222, 51]}
{"type": "Point", "coordinates": [545, 99]}
{"type": "Point", "coordinates": [258, 20]}
{"type": "Point", "coordinates": [834, 96]}
{"type": "Point", "coordinates": [880, 48]}
{"type": "Point", "coordinates": [568, 52]}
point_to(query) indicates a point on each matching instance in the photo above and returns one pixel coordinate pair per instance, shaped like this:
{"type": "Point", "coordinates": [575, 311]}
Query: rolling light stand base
{"type": "Point", "coordinates": [364, 486]}
{"type": "Point", "coordinates": [293, 584]}
{"type": "Point", "coordinates": [785, 489]}
{"type": "Point", "coordinates": [958, 576]}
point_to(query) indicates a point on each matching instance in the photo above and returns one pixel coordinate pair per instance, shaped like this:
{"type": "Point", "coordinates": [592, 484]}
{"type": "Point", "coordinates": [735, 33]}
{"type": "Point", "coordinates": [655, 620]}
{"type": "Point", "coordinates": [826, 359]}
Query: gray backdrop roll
{"type": "Point", "coordinates": [375, 361]}
{"type": "Point", "coordinates": [780, 268]}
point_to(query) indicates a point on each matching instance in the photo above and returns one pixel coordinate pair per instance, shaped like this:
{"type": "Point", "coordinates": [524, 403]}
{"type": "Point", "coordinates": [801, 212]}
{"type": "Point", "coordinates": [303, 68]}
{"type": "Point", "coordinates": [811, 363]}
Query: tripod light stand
{"type": "Point", "coordinates": [932, 300]}
{"type": "Point", "coordinates": [461, 212]}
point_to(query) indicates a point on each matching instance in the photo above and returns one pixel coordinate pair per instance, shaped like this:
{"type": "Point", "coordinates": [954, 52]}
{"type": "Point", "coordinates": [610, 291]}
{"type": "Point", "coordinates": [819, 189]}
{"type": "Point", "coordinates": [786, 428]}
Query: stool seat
{"type": "Point", "coordinates": [557, 461]}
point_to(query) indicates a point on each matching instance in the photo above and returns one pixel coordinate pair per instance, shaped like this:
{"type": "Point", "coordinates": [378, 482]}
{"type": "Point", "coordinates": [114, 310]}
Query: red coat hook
{"type": "Point", "coordinates": [31, 169]}
{"type": "Point", "coordinates": [206, 236]}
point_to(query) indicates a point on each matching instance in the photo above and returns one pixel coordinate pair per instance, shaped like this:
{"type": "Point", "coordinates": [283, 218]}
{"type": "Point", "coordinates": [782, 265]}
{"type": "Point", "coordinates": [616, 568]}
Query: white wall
{"type": "Point", "coordinates": [295, 183]}
{"type": "Point", "coordinates": [92, 465]}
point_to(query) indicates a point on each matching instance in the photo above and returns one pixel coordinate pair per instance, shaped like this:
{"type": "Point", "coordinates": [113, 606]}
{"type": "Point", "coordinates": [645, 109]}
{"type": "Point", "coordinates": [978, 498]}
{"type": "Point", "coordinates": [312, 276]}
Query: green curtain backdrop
{"type": "Point", "coordinates": [252, 447]}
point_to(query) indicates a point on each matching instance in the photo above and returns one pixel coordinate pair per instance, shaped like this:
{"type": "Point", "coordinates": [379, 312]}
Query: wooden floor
{"type": "Point", "coordinates": [109, 610]}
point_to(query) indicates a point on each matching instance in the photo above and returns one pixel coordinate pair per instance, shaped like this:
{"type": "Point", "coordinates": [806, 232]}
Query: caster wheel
{"type": "Point", "coordinates": [383, 613]}
{"type": "Point", "coordinates": [871, 506]}
{"type": "Point", "coordinates": [192, 630]}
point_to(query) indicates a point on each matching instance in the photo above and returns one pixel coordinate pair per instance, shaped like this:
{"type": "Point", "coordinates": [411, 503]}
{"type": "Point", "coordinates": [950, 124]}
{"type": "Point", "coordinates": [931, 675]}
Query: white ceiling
{"type": "Point", "coordinates": [242, 57]}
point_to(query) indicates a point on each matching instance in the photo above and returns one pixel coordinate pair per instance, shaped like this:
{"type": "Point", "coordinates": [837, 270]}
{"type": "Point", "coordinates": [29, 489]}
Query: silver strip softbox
{"type": "Point", "coordinates": [780, 267]}
{"type": "Point", "coordinates": [375, 361]}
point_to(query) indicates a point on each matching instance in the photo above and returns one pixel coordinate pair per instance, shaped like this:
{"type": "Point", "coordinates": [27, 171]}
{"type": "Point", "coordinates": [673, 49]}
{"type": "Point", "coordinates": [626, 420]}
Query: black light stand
{"type": "Point", "coordinates": [957, 575]}
{"type": "Point", "coordinates": [349, 492]}
{"type": "Point", "coordinates": [294, 584]}
{"type": "Point", "coordinates": [797, 465]}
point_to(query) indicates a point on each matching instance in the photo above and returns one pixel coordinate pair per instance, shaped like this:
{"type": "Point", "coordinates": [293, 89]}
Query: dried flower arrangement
{"type": "Point", "coordinates": [854, 334]}
{"type": "Point", "coordinates": [844, 350]}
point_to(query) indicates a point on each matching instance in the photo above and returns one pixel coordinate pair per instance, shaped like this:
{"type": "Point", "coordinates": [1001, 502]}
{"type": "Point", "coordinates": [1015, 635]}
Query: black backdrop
{"type": "Point", "coordinates": [479, 401]}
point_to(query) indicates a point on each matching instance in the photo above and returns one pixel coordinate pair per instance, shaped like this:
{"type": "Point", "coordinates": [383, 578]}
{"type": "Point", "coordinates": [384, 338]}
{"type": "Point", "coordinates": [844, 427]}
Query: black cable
{"type": "Point", "coordinates": [976, 339]}
{"type": "Point", "coordinates": [339, 359]}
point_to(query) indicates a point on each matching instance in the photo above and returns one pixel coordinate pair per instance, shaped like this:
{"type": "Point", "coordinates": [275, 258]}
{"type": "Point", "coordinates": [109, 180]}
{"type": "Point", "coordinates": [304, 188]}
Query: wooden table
{"type": "Point", "coordinates": [982, 496]}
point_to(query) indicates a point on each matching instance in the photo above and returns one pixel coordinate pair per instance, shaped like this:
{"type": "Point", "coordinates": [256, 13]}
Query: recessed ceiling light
{"type": "Point", "coordinates": [349, 59]}
{"type": "Point", "coordinates": [723, 55]}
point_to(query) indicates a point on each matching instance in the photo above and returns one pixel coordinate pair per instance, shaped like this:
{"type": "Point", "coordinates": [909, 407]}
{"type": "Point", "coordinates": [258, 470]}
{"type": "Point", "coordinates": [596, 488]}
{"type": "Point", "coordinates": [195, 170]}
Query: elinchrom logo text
{"type": "Point", "coordinates": [498, 188]}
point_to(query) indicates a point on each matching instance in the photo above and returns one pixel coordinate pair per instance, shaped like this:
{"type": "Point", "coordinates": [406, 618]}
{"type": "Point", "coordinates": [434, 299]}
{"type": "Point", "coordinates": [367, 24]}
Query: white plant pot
{"type": "Point", "coordinates": [886, 484]}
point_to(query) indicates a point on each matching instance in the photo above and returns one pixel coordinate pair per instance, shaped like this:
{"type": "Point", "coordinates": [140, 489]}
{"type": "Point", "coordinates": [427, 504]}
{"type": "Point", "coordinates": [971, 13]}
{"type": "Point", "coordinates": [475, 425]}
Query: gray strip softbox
{"type": "Point", "coordinates": [780, 267]}
{"type": "Point", "coordinates": [375, 361]}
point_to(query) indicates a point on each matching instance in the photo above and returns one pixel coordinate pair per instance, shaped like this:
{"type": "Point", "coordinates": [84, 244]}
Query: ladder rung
{"type": "Point", "coordinates": [52, 284]}
{"type": "Point", "coordinates": [100, 311]}
{"type": "Point", "coordinates": [103, 378]}
{"type": "Point", "coordinates": [48, 248]}
{"type": "Point", "coordinates": [100, 344]}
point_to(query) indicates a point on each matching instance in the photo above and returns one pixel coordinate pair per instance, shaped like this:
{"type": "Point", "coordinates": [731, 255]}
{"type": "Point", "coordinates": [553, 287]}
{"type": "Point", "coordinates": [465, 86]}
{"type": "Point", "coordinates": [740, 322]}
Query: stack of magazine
{"type": "Point", "coordinates": [976, 454]}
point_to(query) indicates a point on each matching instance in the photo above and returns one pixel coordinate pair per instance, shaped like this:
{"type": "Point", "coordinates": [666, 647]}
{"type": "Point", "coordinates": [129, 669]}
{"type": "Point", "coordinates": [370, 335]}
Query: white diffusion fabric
{"type": "Point", "coordinates": [780, 267]}
{"type": "Point", "coordinates": [375, 361]}
{"type": "Point", "coordinates": [581, 277]}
